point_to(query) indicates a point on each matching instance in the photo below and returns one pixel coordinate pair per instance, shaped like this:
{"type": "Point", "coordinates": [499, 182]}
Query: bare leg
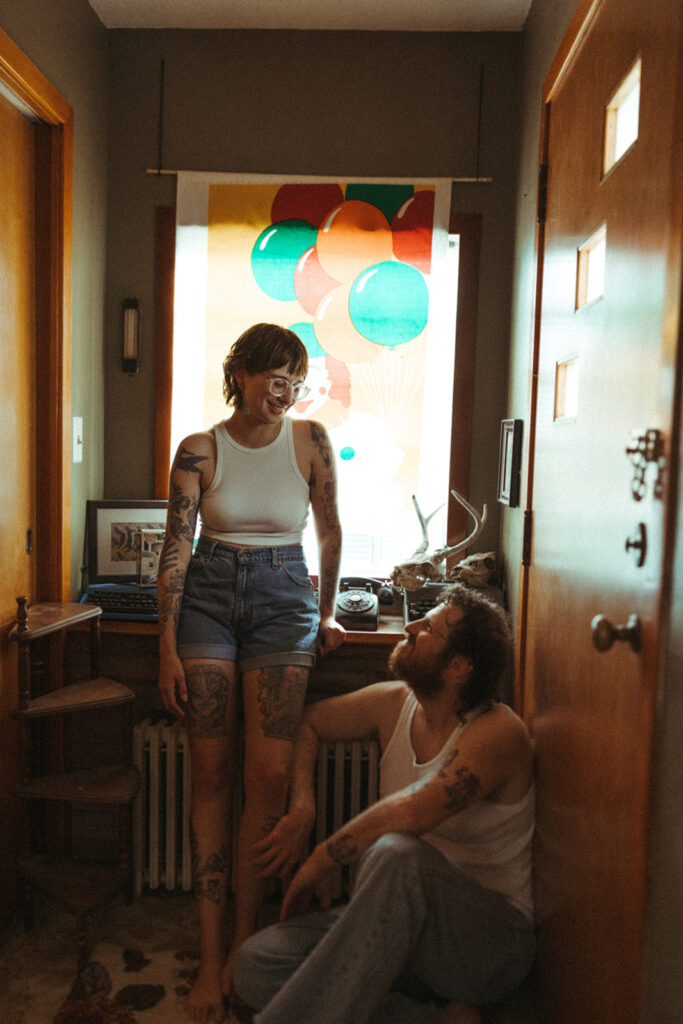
{"type": "Point", "coordinates": [273, 705]}
{"type": "Point", "coordinates": [212, 730]}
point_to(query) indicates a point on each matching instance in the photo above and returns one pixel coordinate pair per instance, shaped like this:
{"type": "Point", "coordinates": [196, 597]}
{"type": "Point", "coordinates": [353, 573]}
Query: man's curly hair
{"type": "Point", "coordinates": [483, 636]}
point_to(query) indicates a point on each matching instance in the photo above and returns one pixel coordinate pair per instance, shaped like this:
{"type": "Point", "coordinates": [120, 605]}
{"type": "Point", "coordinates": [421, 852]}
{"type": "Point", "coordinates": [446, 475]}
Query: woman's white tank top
{"type": "Point", "coordinates": [258, 496]}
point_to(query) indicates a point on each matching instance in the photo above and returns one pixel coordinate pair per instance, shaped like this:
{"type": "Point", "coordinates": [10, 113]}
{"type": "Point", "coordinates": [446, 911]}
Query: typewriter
{"type": "Point", "coordinates": [416, 603]}
{"type": "Point", "coordinates": [126, 601]}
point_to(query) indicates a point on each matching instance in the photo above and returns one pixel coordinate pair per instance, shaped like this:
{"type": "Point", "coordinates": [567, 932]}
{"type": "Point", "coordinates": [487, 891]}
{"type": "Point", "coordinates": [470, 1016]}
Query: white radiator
{"type": "Point", "coordinates": [346, 783]}
{"type": "Point", "coordinates": [161, 820]}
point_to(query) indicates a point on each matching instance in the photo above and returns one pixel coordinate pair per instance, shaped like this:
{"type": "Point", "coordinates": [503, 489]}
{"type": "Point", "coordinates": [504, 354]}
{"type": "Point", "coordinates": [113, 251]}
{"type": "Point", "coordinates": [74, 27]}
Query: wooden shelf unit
{"type": "Point", "coordinates": [78, 886]}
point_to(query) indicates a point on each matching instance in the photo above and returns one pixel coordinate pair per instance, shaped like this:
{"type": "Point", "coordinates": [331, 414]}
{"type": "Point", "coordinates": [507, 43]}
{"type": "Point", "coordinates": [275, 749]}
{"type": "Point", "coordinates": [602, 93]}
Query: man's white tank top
{"type": "Point", "coordinates": [258, 496]}
{"type": "Point", "coordinates": [488, 841]}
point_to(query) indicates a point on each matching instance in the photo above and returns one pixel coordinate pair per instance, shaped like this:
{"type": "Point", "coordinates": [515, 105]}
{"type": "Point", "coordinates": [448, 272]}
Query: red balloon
{"type": "Point", "coordinates": [305, 202]}
{"type": "Point", "coordinates": [311, 283]}
{"type": "Point", "coordinates": [412, 230]}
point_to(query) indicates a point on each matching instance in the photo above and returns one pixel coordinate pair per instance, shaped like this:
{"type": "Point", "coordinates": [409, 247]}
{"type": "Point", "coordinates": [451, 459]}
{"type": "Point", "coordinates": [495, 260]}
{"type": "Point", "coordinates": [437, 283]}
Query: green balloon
{"type": "Point", "coordinates": [389, 303]}
{"type": "Point", "coordinates": [276, 253]}
{"type": "Point", "coordinates": [307, 334]}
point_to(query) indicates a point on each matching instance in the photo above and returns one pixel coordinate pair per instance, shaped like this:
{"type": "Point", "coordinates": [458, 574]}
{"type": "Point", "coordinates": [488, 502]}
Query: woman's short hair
{"type": "Point", "coordinates": [258, 349]}
{"type": "Point", "coordinates": [482, 634]}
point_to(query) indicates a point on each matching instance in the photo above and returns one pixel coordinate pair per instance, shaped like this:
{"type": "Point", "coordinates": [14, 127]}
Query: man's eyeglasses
{"type": "Point", "coordinates": [280, 386]}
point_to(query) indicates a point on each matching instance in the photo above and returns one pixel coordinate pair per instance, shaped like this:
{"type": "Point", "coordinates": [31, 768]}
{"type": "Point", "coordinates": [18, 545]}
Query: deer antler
{"type": "Point", "coordinates": [479, 523]}
{"type": "Point", "coordinates": [422, 568]}
{"type": "Point", "coordinates": [424, 523]}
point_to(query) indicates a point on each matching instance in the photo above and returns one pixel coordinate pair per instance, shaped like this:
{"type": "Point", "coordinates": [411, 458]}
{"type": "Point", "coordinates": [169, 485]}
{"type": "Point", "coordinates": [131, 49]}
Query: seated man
{"type": "Point", "coordinates": [441, 908]}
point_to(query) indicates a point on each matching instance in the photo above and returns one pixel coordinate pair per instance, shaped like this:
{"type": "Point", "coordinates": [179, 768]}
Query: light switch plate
{"type": "Point", "coordinates": [78, 439]}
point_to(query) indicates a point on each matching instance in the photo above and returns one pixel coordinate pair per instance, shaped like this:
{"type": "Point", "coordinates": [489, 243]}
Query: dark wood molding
{"type": "Point", "coordinates": [468, 227]}
{"type": "Point", "coordinates": [54, 199]}
{"type": "Point", "coordinates": [163, 342]}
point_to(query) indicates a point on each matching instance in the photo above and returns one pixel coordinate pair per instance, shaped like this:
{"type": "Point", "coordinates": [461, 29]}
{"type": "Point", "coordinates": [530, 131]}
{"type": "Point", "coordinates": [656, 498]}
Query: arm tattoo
{"type": "Point", "coordinates": [209, 888]}
{"type": "Point", "coordinates": [319, 439]}
{"type": "Point", "coordinates": [182, 514]}
{"type": "Point", "coordinates": [207, 693]}
{"type": "Point", "coordinates": [461, 790]}
{"type": "Point", "coordinates": [342, 850]}
{"type": "Point", "coordinates": [187, 461]}
{"type": "Point", "coordinates": [280, 695]}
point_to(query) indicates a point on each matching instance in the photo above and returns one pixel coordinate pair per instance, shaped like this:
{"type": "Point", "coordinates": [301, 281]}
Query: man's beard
{"type": "Point", "coordinates": [424, 681]}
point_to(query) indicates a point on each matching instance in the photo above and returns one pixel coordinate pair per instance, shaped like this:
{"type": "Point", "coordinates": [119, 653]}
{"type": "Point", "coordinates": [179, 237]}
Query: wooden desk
{"type": "Point", "coordinates": [129, 654]}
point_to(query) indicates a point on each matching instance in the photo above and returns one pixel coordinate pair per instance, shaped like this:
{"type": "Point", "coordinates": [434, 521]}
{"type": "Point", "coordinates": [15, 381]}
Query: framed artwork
{"type": "Point", "coordinates": [509, 462]}
{"type": "Point", "coordinates": [114, 531]}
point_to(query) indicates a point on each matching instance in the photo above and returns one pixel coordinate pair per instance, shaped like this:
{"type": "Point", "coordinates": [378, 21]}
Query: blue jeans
{"type": "Point", "coordinates": [255, 606]}
{"type": "Point", "coordinates": [416, 931]}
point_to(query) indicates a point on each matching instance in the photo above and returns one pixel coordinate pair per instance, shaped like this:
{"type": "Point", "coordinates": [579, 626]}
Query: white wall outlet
{"type": "Point", "coordinates": [78, 439]}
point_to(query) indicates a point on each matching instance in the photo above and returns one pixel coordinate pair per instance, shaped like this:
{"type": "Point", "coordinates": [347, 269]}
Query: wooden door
{"type": "Point", "coordinates": [17, 427]}
{"type": "Point", "coordinates": [592, 713]}
{"type": "Point", "coordinates": [35, 362]}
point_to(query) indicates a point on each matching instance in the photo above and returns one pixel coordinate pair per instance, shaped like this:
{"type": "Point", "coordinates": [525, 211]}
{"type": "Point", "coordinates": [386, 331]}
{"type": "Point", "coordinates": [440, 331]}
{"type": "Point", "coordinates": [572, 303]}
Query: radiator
{"type": "Point", "coordinates": [346, 782]}
{"type": "Point", "coordinates": [161, 817]}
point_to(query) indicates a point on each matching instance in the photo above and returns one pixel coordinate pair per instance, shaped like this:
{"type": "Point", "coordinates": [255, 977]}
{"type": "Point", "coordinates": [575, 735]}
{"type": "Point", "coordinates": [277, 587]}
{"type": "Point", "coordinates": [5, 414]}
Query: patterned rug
{"type": "Point", "coordinates": [127, 986]}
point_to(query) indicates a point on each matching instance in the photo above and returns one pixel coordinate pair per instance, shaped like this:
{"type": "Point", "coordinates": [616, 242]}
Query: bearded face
{"type": "Point", "coordinates": [423, 674]}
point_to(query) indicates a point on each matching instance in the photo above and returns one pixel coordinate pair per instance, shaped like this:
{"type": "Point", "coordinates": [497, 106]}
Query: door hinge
{"type": "Point", "coordinates": [542, 199]}
{"type": "Point", "coordinates": [526, 537]}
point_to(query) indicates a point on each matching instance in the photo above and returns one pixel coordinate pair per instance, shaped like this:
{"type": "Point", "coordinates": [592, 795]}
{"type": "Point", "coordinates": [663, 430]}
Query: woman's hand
{"type": "Point", "coordinates": [279, 853]}
{"type": "Point", "coordinates": [172, 685]}
{"type": "Point", "coordinates": [316, 878]}
{"type": "Point", "coordinates": [330, 635]}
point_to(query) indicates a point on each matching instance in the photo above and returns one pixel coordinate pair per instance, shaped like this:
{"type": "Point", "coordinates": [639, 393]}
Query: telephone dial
{"type": "Point", "coordinates": [357, 603]}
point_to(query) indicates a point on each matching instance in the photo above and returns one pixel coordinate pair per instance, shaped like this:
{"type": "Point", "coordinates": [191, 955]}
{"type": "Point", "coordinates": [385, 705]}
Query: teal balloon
{"type": "Point", "coordinates": [387, 198]}
{"type": "Point", "coordinates": [347, 453]}
{"type": "Point", "coordinates": [307, 334]}
{"type": "Point", "coordinates": [389, 303]}
{"type": "Point", "coordinates": [276, 253]}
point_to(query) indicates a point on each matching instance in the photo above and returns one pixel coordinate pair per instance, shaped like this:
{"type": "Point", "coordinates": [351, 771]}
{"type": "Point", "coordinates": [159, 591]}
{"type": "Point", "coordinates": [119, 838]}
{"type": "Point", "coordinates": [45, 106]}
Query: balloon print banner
{"type": "Point", "coordinates": [358, 269]}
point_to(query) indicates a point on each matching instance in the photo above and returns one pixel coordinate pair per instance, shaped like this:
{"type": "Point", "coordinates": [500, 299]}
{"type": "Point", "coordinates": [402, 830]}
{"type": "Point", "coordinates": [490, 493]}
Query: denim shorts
{"type": "Point", "coordinates": [253, 606]}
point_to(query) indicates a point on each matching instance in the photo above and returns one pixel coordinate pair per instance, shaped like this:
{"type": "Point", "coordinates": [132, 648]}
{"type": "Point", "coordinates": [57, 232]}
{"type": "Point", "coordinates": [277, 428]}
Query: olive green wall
{"type": "Point", "coordinates": [328, 103]}
{"type": "Point", "coordinates": [68, 44]}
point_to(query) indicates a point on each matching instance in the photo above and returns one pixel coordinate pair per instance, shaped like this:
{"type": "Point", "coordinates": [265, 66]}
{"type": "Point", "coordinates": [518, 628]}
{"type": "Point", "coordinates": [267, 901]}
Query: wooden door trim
{"type": "Point", "coordinates": [54, 192]}
{"type": "Point", "coordinates": [568, 49]}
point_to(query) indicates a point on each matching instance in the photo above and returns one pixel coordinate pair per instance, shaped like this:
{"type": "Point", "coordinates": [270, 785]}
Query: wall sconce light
{"type": "Point", "coordinates": [130, 336]}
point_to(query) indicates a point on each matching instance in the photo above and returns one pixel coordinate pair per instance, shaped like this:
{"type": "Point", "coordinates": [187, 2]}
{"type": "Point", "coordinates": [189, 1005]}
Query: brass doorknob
{"type": "Point", "coordinates": [604, 634]}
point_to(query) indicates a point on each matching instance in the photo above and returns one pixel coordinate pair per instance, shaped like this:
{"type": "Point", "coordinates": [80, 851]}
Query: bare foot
{"type": "Point", "coordinates": [457, 1013]}
{"type": "Point", "coordinates": [205, 1005]}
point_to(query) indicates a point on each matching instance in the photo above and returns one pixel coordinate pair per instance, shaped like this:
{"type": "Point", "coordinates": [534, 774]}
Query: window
{"type": "Point", "coordinates": [621, 118]}
{"type": "Point", "coordinates": [410, 393]}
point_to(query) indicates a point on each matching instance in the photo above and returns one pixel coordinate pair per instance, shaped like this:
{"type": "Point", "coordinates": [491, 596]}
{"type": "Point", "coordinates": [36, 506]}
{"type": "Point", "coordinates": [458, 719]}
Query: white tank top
{"type": "Point", "coordinates": [488, 841]}
{"type": "Point", "coordinates": [258, 496]}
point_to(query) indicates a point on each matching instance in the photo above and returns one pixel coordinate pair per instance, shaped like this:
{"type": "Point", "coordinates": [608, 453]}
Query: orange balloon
{"type": "Point", "coordinates": [335, 332]}
{"type": "Point", "coordinates": [355, 235]}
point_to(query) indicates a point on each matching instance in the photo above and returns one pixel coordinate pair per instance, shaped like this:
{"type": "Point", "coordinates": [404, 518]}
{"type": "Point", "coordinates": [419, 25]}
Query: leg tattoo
{"type": "Point", "coordinates": [281, 692]}
{"type": "Point", "coordinates": [207, 688]}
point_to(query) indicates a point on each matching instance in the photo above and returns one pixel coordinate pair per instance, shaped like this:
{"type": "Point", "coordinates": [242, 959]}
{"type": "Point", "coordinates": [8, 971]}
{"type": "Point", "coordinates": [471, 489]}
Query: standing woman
{"type": "Point", "coordinates": [242, 609]}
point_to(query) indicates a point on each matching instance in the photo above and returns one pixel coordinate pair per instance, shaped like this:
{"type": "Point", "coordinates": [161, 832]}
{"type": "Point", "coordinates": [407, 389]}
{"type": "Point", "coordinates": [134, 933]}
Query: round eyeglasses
{"type": "Point", "coordinates": [280, 386]}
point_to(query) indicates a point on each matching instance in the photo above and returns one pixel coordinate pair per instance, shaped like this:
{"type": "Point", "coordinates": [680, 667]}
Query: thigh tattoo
{"type": "Point", "coordinates": [281, 691]}
{"type": "Point", "coordinates": [207, 691]}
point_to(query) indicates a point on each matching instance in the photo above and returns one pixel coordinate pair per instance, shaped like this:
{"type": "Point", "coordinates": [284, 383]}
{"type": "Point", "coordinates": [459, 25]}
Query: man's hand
{"type": "Point", "coordinates": [280, 851]}
{"type": "Point", "coordinates": [330, 635]}
{"type": "Point", "coordinates": [316, 878]}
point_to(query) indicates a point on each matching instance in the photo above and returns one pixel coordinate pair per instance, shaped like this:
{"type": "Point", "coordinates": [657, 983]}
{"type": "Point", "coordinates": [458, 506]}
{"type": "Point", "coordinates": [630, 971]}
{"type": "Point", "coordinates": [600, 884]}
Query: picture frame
{"type": "Point", "coordinates": [113, 537]}
{"type": "Point", "coordinates": [509, 462]}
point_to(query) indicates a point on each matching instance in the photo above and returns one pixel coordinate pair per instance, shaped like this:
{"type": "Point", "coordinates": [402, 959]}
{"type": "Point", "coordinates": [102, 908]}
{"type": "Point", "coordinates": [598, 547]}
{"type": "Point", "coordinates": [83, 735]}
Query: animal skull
{"type": "Point", "coordinates": [422, 568]}
{"type": "Point", "coordinates": [480, 570]}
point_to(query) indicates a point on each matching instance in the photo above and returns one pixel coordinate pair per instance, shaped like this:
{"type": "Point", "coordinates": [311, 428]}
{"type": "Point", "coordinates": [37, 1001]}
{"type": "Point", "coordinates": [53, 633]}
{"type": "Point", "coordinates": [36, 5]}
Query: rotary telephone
{"type": "Point", "coordinates": [357, 604]}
